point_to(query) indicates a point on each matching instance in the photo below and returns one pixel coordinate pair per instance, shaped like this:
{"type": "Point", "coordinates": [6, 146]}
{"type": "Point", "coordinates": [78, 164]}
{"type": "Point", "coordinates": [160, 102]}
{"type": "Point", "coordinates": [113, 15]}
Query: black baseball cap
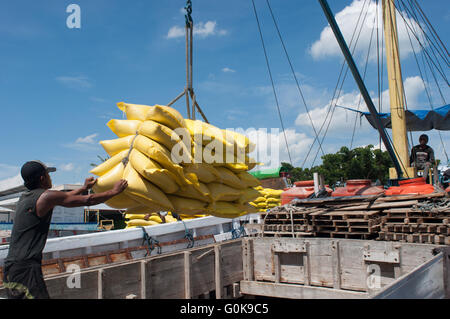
{"type": "Point", "coordinates": [32, 169]}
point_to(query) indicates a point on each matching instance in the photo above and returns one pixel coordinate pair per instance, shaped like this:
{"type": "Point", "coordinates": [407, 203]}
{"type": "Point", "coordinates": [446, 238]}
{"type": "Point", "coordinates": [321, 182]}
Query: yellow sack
{"type": "Point", "coordinates": [273, 193]}
{"type": "Point", "coordinates": [252, 204]}
{"type": "Point", "coordinates": [248, 179]}
{"type": "Point", "coordinates": [222, 192]}
{"type": "Point", "coordinates": [229, 178]}
{"type": "Point", "coordinates": [154, 173]}
{"type": "Point", "coordinates": [167, 116]}
{"type": "Point", "coordinates": [124, 128]}
{"type": "Point", "coordinates": [165, 136]}
{"type": "Point", "coordinates": [259, 200]}
{"type": "Point", "coordinates": [272, 205]}
{"type": "Point", "coordinates": [109, 164]}
{"type": "Point", "coordinates": [113, 147]}
{"type": "Point", "coordinates": [160, 154]}
{"type": "Point", "coordinates": [261, 205]}
{"type": "Point", "coordinates": [205, 173]}
{"type": "Point", "coordinates": [141, 222]}
{"type": "Point", "coordinates": [188, 206]}
{"type": "Point", "coordinates": [199, 192]}
{"type": "Point", "coordinates": [134, 111]}
{"type": "Point", "coordinates": [259, 188]}
{"type": "Point", "coordinates": [154, 218]}
{"type": "Point", "coordinates": [248, 195]}
{"type": "Point", "coordinates": [262, 210]}
{"type": "Point", "coordinates": [205, 133]}
{"type": "Point", "coordinates": [241, 141]}
{"type": "Point", "coordinates": [236, 167]}
{"type": "Point", "coordinates": [106, 182]}
{"type": "Point", "coordinates": [227, 210]}
{"type": "Point", "coordinates": [144, 192]}
{"type": "Point", "coordinates": [273, 200]}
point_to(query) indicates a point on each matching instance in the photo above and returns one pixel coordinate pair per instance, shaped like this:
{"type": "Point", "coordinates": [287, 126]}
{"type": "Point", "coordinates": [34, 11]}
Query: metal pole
{"type": "Point", "coordinates": [360, 83]}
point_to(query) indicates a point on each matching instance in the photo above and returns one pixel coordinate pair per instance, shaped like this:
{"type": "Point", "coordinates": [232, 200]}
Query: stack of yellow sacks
{"type": "Point", "coordinates": [269, 198]}
{"type": "Point", "coordinates": [174, 164]}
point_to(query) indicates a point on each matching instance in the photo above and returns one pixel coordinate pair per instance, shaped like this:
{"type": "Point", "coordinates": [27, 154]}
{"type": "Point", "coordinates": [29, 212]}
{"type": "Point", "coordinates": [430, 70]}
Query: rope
{"type": "Point", "coordinates": [271, 80]}
{"type": "Point", "coordinates": [126, 158]}
{"type": "Point", "coordinates": [188, 235]}
{"type": "Point", "coordinates": [426, 86]}
{"type": "Point", "coordinates": [238, 232]}
{"type": "Point", "coordinates": [293, 73]}
{"type": "Point", "coordinates": [333, 108]}
{"type": "Point", "coordinates": [151, 243]}
{"type": "Point", "coordinates": [336, 95]}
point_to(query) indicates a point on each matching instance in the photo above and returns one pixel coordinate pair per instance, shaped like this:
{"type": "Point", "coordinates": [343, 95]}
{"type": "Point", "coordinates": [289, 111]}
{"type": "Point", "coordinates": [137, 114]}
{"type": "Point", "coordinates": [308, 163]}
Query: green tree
{"type": "Point", "coordinates": [358, 163]}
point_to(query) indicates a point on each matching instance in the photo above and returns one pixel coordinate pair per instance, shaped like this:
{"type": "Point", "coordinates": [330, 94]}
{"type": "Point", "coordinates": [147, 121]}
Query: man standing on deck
{"type": "Point", "coordinates": [22, 270]}
{"type": "Point", "coordinates": [422, 156]}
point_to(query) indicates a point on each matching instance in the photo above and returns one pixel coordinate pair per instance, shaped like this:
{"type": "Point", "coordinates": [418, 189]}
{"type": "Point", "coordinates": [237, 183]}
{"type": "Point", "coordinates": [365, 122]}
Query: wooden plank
{"type": "Point", "coordinates": [100, 284]}
{"type": "Point", "coordinates": [218, 271]}
{"type": "Point", "coordinates": [424, 282]}
{"type": "Point", "coordinates": [292, 291]}
{"type": "Point", "coordinates": [337, 264]}
{"type": "Point", "coordinates": [143, 280]}
{"type": "Point", "coordinates": [383, 205]}
{"type": "Point", "coordinates": [119, 282]}
{"type": "Point", "coordinates": [187, 275]}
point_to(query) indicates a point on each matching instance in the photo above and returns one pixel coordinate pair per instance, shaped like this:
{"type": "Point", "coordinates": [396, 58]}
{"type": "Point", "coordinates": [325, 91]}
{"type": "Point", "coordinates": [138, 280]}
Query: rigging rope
{"type": "Point", "coordinates": [345, 75]}
{"type": "Point", "coordinates": [293, 73]}
{"type": "Point", "coordinates": [425, 85]}
{"type": "Point", "coordinates": [271, 80]}
{"type": "Point", "coordinates": [335, 97]}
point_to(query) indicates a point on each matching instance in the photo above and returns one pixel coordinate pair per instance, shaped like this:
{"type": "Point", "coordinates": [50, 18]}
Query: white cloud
{"type": "Point", "coordinates": [87, 140]}
{"type": "Point", "coordinates": [271, 146]}
{"type": "Point", "coordinates": [75, 82]}
{"type": "Point", "coordinates": [327, 46]}
{"type": "Point", "coordinates": [343, 120]}
{"type": "Point", "coordinates": [201, 30]}
{"type": "Point", "coordinates": [8, 170]}
{"type": "Point", "coordinates": [11, 182]}
{"type": "Point", "coordinates": [67, 167]}
{"type": "Point", "coordinates": [84, 144]}
{"type": "Point", "coordinates": [228, 70]}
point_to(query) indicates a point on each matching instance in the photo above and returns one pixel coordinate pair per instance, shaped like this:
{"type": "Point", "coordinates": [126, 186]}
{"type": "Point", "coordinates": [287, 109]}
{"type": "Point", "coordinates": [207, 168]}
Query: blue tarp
{"type": "Point", "coordinates": [417, 120]}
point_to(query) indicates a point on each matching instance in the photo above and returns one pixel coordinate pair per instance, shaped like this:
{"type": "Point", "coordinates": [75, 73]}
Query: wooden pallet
{"type": "Point", "coordinates": [424, 238]}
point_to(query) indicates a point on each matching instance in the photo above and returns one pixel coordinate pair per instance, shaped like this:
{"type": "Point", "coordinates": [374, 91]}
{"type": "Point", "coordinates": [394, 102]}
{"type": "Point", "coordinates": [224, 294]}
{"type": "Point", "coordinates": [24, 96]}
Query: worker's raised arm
{"type": "Point", "coordinates": [88, 183]}
{"type": "Point", "coordinates": [49, 199]}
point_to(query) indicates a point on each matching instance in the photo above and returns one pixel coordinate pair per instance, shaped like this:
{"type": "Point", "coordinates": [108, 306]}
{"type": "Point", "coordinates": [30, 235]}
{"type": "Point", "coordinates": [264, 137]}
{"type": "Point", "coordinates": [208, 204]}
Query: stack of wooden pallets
{"type": "Point", "coordinates": [426, 222]}
{"type": "Point", "coordinates": [412, 218]}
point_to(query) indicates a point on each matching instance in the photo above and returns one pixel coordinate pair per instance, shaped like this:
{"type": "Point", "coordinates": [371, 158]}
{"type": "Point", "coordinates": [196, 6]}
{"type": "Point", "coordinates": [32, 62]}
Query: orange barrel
{"type": "Point", "coordinates": [302, 189]}
{"type": "Point", "coordinates": [355, 187]}
{"type": "Point", "coordinates": [411, 186]}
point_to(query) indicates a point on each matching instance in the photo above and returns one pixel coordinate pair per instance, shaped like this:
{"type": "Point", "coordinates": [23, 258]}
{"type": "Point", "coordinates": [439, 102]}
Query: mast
{"type": "Point", "coordinates": [396, 91]}
{"type": "Point", "coordinates": [362, 87]}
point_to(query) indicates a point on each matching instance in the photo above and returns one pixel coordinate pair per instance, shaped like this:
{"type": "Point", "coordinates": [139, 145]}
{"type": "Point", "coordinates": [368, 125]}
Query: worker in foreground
{"type": "Point", "coordinates": [23, 276]}
{"type": "Point", "coordinates": [422, 156]}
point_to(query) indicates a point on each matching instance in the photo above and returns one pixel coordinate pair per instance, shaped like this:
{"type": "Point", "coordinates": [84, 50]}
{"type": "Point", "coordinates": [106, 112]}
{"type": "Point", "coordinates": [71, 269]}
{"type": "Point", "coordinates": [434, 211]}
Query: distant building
{"type": "Point", "coordinates": [65, 221]}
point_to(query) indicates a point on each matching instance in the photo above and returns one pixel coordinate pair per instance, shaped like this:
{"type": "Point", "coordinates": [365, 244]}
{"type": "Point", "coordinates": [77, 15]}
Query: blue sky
{"type": "Point", "coordinates": [59, 86]}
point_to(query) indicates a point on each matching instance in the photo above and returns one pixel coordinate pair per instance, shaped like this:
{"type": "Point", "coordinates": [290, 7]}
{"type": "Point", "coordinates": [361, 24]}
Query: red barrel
{"type": "Point", "coordinates": [411, 186]}
{"type": "Point", "coordinates": [302, 189]}
{"type": "Point", "coordinates": [448, 189]}
{"type": "Point", "coordinates": [356, 187]}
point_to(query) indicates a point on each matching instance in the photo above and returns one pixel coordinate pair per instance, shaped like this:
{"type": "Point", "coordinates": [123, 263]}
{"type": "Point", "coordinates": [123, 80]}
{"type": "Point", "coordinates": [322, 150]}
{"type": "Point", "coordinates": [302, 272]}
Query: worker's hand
{"type": "Point", "coordinates": [89, 182]}
{"type": "Point", "coordinates": [147, 216]}
{"type": "Point", "coordinates": [120, 186]}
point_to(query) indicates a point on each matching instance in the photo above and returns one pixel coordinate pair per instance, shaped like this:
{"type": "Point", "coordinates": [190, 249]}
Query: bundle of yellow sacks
{"type": "Point", "coordinates": [269, 198]}
{"type": "Point", "coordinates": [178, 165]}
